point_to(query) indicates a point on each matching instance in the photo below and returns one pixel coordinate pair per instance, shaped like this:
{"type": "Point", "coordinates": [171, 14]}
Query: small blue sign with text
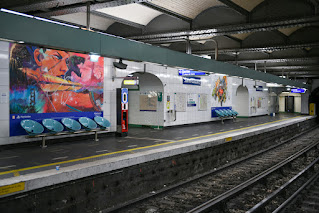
{"type": "Point", "coordinates": [184, 72]}
{"type": "Point", "coordinates": [297, 90]}
{"type": "Point", "coordinates": [192, 81]}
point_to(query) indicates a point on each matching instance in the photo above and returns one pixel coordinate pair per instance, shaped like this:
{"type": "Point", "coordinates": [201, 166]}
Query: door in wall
{"type": "Point", "coordinates": [289, 104]}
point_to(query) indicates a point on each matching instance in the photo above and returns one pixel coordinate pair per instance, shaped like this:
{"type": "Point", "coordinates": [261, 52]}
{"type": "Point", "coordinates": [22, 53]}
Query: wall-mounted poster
{"type": "Point", "coordinates": [191, 100]}
{"type": "Point", "coordinates": [148, 102]}
{"type": "Point", "coordinates": [202, 98]}
{"type": "Point", "coordinates": [48, 83]}
{"type": "Point", "coordinates": [220, 90]}
{"type": "Point", "coordinates": [180, 102]}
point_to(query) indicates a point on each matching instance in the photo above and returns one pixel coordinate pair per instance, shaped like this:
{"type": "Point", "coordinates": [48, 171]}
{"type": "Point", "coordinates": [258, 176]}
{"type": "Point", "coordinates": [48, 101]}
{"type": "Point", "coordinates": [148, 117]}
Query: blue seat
{"type": "Point", "coordinates": [88, 123]}
{"type": "Point", "coordinates": [231, 112]}
{"type": "Point", "coordinates": [227, 114]}
{"type": "Point", "coordinates": [236, 113]}
{"type": "Point", "coordinates": [32, 127]}
{"type": "Point", "coordinates": [52, 125]}
{"type": "Point", "coordinates": [71, 124]}
{"type": "Point", "coordinates": [220, 113]}
{"type": "Point", "coordinates": [102, 122]}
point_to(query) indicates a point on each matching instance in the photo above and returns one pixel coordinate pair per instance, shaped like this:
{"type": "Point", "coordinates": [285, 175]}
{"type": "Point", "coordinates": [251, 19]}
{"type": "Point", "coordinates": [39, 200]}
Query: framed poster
{"type": "Point", "coordinates": [191, 100]}
{"type": "Point", "coordinates": [148, 103]}
{"type": "Point", "coordinates": [202, 98]}
{"type": "Point", "coordinates": [180, 102]}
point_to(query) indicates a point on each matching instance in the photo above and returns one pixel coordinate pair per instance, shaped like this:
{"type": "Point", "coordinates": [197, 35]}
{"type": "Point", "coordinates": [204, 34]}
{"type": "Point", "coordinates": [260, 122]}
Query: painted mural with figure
{"type": "Point", "coordinates": [53, 81]}
{"type": "Point", "coordinates": [220, 90]}
{"type": "Point", "coordinates": [46, 80]}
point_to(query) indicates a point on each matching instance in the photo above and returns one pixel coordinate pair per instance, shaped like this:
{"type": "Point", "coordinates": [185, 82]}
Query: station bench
{"type": "Point", "coordinates": [55, 128]}
{"type": "Point", "coordinates": [224, 113]}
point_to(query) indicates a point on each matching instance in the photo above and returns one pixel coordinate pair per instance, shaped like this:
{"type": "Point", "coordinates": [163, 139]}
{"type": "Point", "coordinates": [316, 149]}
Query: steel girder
{"type": "Point", "coordinates": [47, 34]}
{"type": "Point", "coordinates": [235, 7]}
{"type": "Point", "coordinates": [271, 60]}
{"type": "Point", "coordinates": [63, 7]}
{"type": "Point", "coordinates": [227, 30]}
{"type": "Point", "coordinates": [260, 49]}
{"type": "Point", "coordinates": [290, 72]}
{"type": "Point", "coordinates": [167, 12]}
{"type": "Point", "coordinates": [314, 66]}
{"type": "Point", "coordinates": [119, 20]}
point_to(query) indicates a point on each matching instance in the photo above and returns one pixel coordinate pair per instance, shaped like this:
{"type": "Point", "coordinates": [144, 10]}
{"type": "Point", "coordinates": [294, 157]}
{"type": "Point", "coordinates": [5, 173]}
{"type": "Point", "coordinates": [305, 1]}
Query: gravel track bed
{"type": "Point", "coordinates": [191, 195]}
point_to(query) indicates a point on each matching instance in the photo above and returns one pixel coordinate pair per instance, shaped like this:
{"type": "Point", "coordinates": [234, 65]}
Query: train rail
{"type": "Point", "coordinates": [259, 185]}
{"type": "Point", "coordinates": [222, 189]}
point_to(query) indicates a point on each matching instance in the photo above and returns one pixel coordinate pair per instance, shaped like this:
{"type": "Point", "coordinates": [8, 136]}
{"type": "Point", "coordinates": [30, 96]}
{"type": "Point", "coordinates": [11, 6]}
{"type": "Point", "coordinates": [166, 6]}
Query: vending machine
{"type": "Point", "coordinates": [122, 111]}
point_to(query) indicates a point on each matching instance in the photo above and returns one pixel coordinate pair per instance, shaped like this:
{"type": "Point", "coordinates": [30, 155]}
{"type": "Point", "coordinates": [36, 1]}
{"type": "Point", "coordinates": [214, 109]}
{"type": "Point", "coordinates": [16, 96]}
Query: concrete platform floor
{"type": "Point", "coordinates": [31, 159]}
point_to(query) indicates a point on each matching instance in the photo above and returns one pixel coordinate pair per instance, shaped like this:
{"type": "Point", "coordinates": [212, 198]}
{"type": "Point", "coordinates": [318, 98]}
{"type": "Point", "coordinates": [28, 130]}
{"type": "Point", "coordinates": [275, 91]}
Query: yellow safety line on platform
{"type": "Point", "coordinates": [16, 171]}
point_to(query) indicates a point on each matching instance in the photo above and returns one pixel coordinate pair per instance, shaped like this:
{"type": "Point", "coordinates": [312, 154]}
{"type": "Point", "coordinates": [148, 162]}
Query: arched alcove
{"type": "Point", "coordinates": [144, 109]}
{"type": "Point", "coordinates": [242, 101]}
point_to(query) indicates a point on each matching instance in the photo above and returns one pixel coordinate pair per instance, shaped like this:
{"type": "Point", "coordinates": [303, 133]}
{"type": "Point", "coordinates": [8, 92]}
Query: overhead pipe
{"type": "Point", "coordinates": [265, 66]}
{"type": "Point", "coordinates": [188, 46]}
{"type": "Point", "coordinates": [216, 49]}
{"type": "Point", "coordinates": [88, 14]}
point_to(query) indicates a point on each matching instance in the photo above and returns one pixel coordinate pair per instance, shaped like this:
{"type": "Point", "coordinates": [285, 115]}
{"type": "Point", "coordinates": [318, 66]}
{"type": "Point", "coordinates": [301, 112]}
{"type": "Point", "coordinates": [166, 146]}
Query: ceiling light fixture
{"type": "Point", "coordinates": [120, 65]}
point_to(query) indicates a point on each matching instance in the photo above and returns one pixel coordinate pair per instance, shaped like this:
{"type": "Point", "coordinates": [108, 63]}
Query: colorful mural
{"type": "Point", "coordinates": [49, 82]}
{"type": "Point", "coordinates": [220, 90]}
{"type": "Point", "coordinates": [46, 80]}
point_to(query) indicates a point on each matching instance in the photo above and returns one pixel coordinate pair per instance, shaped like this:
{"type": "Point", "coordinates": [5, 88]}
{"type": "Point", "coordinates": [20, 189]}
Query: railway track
{"type": "Point", "coordinates": [305, 199]}
{"type": "Point", "coordinates": [236, 187]}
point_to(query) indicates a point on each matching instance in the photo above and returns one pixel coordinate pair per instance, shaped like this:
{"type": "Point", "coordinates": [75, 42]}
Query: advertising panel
{"type": "Point", "coordinates": [49, 83]}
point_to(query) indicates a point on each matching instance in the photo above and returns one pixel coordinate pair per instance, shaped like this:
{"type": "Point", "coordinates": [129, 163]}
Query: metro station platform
{"type": "Point", "coordinates": [36, 167]}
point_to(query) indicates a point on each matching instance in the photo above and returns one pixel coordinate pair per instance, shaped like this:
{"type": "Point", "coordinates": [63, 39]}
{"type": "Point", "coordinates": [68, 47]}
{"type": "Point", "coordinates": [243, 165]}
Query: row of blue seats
{"type": "Point", "coordinates": [53, 126]}
{"type": "Point", "coordinates": [224, 113]}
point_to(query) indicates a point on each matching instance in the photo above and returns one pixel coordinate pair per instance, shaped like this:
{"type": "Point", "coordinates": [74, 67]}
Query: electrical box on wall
{"type": "Point", "coordinates": [312, 109]}
{"type": "Point", "coordinates": [122, 111]}
{"type": "Point", "coordinates": [159, 96]}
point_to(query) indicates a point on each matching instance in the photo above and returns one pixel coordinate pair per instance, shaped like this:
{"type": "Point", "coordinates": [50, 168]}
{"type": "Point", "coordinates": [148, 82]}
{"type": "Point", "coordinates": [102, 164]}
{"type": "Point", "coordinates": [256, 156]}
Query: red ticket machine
{"type": "Point", "coordinates": [122, 111]}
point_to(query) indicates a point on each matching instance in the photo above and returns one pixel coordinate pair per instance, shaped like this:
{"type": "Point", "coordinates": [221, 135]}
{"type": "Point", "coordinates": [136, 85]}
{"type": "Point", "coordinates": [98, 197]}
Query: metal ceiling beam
{"type": "Point", "coordinates": [46, 5]}
{"type": "Point", "coordinates": [261, 49]}
{"type": "Point", "coordinates": [272, 60]}
{"type": "Point", "coordinates": [300, 67]}
{"type": "Point", "coordinates": [295, 72]}
{"type": "Point", "coordinates": [227, 30]}
{"type": "Point", "coordinates": [302, 75]}
{"type": "Point", "coordinates": [119, 20]}
{"type": "Point", "coordinates": [167, 11]}
{"type": "Point", "coordinates": [47, 34]}
{"type": "Point", "coordinates": [235, 7]}
{"type": "Point", "coordinates": [306, 76]}
{"type": "Point", "coordinates": [46, 10]}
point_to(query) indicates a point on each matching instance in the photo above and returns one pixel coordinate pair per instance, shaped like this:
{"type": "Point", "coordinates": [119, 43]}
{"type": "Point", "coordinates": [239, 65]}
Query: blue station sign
{"type": "Point", "coordinates": [297, 90]}
{"type": "Point", "coordinates": [259, 88]}
{"type": "Point", "coordinates": [192, 81]}
{"type": "Point", "coordinates": [185, 72]}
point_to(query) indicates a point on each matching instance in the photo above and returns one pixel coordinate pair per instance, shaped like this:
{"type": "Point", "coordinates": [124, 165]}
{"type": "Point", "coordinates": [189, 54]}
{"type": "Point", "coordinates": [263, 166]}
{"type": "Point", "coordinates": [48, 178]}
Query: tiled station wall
{"type": "Point", "coordinates": [172, 85]}
{"type": "Point", "coordinates": [4, 92]}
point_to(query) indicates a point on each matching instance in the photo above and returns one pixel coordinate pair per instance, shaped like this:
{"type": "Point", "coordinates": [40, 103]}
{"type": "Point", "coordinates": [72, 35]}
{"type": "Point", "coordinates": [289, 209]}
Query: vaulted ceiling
{"type": "Point", "coordinates": [275, 36]}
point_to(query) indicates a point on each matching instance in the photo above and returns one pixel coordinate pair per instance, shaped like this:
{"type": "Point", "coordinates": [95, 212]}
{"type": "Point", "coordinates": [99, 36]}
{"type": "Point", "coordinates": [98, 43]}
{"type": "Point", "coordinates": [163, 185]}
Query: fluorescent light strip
{"type": "Point", "coordinates": [38, 18]}
{"type": "Point", "coordinates": [16, 13]}
{"type": "Point", "coordinates": [55, 22]}
{"type": "Point", "coordinates": [220, 74]}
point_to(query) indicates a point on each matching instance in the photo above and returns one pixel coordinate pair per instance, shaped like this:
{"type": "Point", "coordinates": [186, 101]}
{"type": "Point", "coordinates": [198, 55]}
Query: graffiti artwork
{"type": "Point", "coordinates": [54, 81]}
{"type": "Point", "coordinates": [220, 90]}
